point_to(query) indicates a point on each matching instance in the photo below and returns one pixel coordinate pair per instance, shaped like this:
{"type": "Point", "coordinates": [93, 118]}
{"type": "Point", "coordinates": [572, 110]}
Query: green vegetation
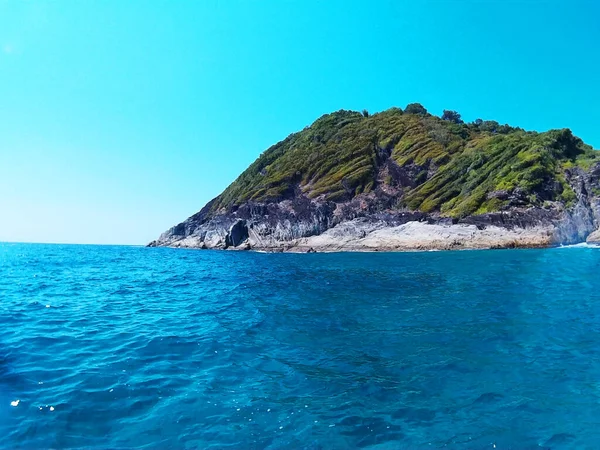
{"type": "Point", "coordinates": [457, 169]}
{"type": "Point", "coordinates": [415, 108]}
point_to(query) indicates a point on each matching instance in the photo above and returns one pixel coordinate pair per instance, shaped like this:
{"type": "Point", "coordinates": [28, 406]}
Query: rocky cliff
{"type": "Point", "coordinates": [403, 180]}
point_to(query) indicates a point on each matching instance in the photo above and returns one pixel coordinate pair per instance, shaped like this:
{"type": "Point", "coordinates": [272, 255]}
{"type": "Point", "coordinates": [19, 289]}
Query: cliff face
{"type": "Point", "coordinates": [399, 181]}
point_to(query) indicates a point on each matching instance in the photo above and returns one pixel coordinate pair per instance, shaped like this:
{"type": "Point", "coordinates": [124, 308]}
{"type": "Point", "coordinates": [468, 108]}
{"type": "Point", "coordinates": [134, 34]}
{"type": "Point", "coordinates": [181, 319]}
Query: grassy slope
{"type": "Point", "coordinates": [456, 165]}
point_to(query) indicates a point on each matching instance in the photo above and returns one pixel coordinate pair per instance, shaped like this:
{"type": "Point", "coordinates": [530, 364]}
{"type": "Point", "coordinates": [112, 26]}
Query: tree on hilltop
{"type": "Point", "coordinates": [415, 108]}
{"type": "Point", "coordinates": [451, 116]}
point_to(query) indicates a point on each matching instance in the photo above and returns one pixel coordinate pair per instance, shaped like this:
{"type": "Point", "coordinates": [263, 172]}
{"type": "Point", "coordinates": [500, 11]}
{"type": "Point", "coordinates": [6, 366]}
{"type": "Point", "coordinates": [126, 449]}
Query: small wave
{"type": "Point", "coordinates": [580, 245]}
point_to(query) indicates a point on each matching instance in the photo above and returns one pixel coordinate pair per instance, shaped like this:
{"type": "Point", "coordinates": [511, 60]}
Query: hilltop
{"type": "Point", "coordinates": [405, 179]}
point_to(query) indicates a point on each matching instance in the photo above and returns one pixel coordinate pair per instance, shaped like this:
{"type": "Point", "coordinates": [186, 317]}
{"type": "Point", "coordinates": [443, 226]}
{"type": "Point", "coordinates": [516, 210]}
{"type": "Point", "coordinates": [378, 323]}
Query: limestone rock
{"type": "Point", "coordinates": [594, 238]}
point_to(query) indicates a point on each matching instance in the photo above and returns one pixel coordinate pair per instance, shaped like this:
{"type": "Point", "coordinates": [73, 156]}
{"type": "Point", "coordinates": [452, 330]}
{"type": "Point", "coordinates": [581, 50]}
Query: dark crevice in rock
{"type": "Point", "coordinates": [237, 234]}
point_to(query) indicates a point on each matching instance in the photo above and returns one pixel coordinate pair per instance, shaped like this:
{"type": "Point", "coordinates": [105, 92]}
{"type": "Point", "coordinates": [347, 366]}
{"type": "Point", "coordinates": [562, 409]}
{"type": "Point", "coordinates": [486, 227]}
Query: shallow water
{"type": "Point", "coordinates": [109, 347]}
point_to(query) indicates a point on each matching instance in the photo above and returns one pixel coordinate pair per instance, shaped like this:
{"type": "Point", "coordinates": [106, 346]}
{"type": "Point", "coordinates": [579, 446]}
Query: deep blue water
{"type": "Point", "coordinates": [111, 347]}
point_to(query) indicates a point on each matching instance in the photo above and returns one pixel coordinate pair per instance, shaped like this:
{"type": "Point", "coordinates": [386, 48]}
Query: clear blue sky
{"type": "Point", "coordinates": [119, 119]}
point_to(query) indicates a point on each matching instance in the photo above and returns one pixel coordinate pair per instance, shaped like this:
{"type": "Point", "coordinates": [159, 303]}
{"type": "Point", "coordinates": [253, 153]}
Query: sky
{"type": "Point", "coordinates": [119, 119]}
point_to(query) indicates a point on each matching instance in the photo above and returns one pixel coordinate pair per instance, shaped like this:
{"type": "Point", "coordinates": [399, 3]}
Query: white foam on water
{"type": "Point", "coordinates": [580, 245]}
{"type": "Point", "coordinates": [15, 403]}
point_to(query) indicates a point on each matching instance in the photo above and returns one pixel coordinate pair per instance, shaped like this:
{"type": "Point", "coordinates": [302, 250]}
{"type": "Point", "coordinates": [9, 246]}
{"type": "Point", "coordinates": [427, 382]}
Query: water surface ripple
{"type": "Point", "coordinates": [127, 347]}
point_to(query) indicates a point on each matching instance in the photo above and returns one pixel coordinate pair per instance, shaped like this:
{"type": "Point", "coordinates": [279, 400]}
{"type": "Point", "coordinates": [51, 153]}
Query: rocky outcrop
{"type": "Point", "coordinates": [302, 225]}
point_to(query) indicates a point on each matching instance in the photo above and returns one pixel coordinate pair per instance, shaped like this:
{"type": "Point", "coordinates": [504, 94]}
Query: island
{"type": "Point", "coordinates": [404, 179]}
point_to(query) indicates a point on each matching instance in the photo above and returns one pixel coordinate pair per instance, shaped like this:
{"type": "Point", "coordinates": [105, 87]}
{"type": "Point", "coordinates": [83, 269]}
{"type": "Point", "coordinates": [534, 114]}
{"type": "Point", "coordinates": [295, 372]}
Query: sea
{"type": "Point", "coordinates": [110, 347]}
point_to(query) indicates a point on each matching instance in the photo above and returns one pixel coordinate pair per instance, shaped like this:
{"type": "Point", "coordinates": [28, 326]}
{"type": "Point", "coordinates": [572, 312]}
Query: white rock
{"type": "Point", "coordinates": [594, 238]}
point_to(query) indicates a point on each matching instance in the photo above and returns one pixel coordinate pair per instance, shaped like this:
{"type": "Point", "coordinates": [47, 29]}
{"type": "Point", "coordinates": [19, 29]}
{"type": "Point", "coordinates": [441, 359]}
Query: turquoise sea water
{"type": "Point", "coordinates": [126, 347]}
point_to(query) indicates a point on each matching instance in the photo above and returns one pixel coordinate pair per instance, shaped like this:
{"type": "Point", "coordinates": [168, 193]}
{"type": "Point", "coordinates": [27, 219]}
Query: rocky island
{"type": "Point", "coordinates": [405, 180]}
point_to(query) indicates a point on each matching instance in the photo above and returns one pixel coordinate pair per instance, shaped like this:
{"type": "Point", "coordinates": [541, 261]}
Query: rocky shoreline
{"type": "Point", "coordinates": [356, 236]}
{"type": "Point", "coordinates": [412, 236]}
{"type": "Point", "coordinates": [301, 226]}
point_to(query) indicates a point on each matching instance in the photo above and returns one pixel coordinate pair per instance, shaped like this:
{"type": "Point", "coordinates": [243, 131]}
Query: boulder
{"type": "Point", "coordinates": [594, 238]}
